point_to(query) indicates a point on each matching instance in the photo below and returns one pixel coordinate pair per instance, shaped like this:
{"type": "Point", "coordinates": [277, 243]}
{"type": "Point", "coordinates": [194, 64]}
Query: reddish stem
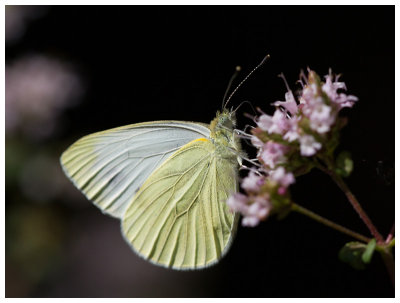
{"type": "Point", "coordinates": [390, 235]}
{"type": "Point", "coordinates": [352, 199]}
{"type": "Point", "coordinates": [386, 254]}
{"type": "Point", "coordinates": [357, 207]}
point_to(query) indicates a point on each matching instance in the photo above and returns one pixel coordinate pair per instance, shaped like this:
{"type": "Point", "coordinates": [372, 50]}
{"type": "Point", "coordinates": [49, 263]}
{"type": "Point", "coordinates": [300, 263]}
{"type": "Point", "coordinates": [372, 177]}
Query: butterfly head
{"type": "Point", "coordinates": [224, 121]}
{"type": "Point", "coordinates": [222, 130]}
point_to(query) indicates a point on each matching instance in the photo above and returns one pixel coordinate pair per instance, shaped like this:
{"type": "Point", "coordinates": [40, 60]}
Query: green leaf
{"type": "Point", "coordinates": [352, 253]}
{"type": "Point", "coordinates": [369, 251]}
{"type": "Point", "coordinates": [344, 164]}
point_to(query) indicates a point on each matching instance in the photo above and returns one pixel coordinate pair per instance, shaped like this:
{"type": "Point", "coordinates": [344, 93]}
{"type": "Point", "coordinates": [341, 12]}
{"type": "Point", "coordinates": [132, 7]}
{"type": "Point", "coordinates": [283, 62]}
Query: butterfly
{"type": "Point", "coordinates": [167, 181]}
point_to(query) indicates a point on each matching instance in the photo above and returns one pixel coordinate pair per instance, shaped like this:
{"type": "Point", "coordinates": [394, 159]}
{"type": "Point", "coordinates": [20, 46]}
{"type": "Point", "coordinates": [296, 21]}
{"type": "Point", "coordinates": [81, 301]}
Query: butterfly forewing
{"type": "Point", "coordinates": [178, 218]}
{"type": "Point", "coordinates": [110, 166]}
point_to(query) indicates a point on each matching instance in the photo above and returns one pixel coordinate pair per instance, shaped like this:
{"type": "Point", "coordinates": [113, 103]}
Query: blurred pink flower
{"type": "Point", "coordinates": [330, 87]}
{"type": "Point", "coordinates": [289, 104]}
{"type": "Point", "coordinates": [257, 211]}
{"type": "Point", "coordinates": [309, 92]}
{"type": "Point", "coordinates": [282, 177]}
{"type": "Point", "coordinates": [237, 202]}
{"type": "Point", "coordinates": [308, 145]}
{"type": "Point", "coordinates": [281, 124]}
{"type": "Point", "coordinates": [282, 190]}
{"type": "Point", "coordinates": [277, 124]}
{"type": "Point", "coordinates": [321, 116]}
{"type": "Point", "coordinates": [252, 210]}
{"type": "Point", "coordinates": [293, 131]}
{"type": "Point", "coordinates": [273, 153]}
{"type": "Point", "coordinates": [265, 122]}
{"type": "Point", "coordinates": [252, 182]}
{"type": "Point", "coordinates": [38, 88]}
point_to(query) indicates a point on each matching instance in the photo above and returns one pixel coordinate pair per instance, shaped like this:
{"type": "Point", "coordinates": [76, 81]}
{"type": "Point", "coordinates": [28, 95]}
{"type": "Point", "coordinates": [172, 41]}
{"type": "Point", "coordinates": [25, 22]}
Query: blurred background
{"type": "Point", "coordinates": [71, 71]}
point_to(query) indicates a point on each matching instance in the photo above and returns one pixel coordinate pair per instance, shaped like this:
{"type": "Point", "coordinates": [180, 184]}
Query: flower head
{"type": "Point", "coordinates": [285, 142]}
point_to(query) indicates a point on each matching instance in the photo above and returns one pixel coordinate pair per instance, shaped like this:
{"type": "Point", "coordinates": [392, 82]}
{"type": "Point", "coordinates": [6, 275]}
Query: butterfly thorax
{"type": "Point", "coordinates": [223, 135]}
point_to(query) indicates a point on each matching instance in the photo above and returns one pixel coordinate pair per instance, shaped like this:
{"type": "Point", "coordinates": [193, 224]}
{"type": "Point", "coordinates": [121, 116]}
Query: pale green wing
{"type": "Point", "coordinates": [179, 217]}
{"type": "Point", "coordinates": [110, 166]}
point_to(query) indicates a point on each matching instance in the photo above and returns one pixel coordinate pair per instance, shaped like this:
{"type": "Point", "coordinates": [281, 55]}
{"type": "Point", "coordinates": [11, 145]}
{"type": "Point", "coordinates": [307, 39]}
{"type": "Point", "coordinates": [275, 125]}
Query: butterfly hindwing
{"type": "Point", "coordinates": [178, 218]}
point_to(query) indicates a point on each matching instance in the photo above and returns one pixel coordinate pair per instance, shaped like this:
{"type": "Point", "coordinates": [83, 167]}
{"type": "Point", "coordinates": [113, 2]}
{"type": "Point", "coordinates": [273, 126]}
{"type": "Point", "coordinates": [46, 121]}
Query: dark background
{"type": "Point", "coordinates": [144, 63]}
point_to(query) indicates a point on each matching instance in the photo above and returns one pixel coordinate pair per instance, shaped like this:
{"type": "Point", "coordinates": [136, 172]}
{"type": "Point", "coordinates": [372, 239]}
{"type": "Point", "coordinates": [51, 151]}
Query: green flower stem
{"type": "Point", "coordinates": [352, 199]}
{"type": "Point", "coordinates": [318, 218]}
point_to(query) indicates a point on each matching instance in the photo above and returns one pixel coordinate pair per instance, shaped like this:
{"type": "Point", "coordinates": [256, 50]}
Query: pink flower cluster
{"type": "Point", "coordinates": [301, 126]}
{"type": "Point", "coordinates": [298, 130]}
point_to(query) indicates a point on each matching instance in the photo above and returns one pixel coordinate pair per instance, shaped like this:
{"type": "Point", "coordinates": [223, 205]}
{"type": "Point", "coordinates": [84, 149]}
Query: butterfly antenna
{"type": "Point", "coordinates": [244, 80]}
{"type": "Point", "coordinates": [237, 70]}
{"type": "Point", "coordinates": [248, 102]}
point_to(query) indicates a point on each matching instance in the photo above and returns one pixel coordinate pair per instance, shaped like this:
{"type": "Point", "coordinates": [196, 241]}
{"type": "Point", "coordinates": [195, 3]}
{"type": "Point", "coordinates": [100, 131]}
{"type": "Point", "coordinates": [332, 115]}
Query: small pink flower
{"type": "Point", "coordinates": [257, 211]}
{"type": "Point", "coordinates": [282, 190]}
{"type": "Point", "coordinates": [321, 117]}
{"type": "Point", "coordinates": [252, 211]}
{"type": "Point", "coordinates": [238, 202]}
{"type": "Point", "coordinates": [250, 221]}
{"type": "Point", "coordinates": [309, 93]}
{"type": "Point", "coordinates": [252, 182]}
{"type": "Point", "coordinates": [346, 100]}
{"type": "Point", "coordinates": [330, 87]}
{"type": "Point", "coordinates": [289, 104]}
{"type": "Point", "coordinates": [308, 145]}
{"type": "Point", "coordinates": [293, 131]}
{"type": "Point", "coordinates": [273, 153]}
{"type": "Point", "coordinates": [277, 124]}
{"type": "Point", "coordinates": [265, 122]}
{"type": "Point", "coordinates": [280, 123]}
{"type": "Point", "coordinates": [281, 177]}
{"type": "Point", "coordinates": [259, 208]}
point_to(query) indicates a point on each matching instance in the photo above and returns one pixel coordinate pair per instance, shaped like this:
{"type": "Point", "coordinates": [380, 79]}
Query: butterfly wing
{"type": "Point", "coordinates": [110, 166]}
{"type": "Point", "coordinates": [178, 218]}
